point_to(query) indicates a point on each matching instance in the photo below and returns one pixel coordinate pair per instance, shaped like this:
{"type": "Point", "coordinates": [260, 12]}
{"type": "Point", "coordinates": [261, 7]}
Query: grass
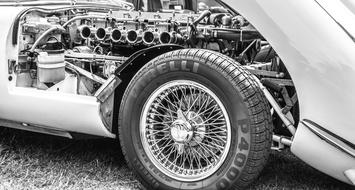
{"type": "Point", "coordinates": [35, 161]}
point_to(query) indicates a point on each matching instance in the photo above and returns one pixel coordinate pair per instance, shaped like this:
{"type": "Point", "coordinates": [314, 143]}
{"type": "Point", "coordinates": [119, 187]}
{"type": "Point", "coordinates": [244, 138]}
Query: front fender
{"type": "Point", "coordinates": [319, 56]}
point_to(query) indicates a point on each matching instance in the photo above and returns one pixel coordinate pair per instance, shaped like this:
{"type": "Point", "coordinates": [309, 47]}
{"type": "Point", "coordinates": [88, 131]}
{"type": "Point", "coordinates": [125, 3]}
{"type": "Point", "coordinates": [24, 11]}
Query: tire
{"type": "Point", "coordinates": [162, 126]}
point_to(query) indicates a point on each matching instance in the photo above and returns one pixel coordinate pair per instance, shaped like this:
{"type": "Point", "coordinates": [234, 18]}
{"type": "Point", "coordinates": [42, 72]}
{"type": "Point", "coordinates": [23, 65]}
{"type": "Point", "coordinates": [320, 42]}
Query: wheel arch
{"type": "Point", "coordinates": [130, 67]}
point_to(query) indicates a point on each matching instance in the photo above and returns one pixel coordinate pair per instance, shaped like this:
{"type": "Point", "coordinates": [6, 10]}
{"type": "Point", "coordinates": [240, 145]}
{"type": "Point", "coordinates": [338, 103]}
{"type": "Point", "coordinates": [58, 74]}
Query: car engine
{"type": "Point", "coordinates": [77, 50]}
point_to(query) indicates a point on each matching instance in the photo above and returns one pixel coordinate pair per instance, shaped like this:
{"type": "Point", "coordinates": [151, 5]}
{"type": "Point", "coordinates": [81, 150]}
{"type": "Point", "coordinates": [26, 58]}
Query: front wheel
{"type": "Point", "coordinates": [194, 119]}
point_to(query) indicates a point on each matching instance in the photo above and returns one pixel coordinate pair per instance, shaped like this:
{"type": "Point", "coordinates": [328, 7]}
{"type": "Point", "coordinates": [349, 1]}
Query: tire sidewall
{"type": "Point", "coordinates": [159, 72]}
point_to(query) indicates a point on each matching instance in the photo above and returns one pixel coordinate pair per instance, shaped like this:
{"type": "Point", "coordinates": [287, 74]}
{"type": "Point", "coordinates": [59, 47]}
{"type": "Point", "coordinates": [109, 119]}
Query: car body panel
{"type": "Point", "coordinates": [319, 154]}
{"type": "Point", "coordinates": [319, 55]}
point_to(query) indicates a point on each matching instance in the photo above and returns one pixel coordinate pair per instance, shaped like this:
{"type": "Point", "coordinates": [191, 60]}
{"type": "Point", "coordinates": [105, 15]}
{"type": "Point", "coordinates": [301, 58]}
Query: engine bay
{"type": "Point", "coordinates": [77, 50]}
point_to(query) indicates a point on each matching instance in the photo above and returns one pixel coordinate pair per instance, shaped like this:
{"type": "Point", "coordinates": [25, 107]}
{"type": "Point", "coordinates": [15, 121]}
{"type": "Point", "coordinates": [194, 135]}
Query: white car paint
{"type": "Point", "coordinates": [320, 57]}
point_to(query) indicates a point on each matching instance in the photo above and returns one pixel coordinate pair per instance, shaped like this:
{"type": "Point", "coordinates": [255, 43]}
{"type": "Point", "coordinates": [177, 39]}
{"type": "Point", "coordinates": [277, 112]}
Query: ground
{"type": "Point", "coordinates": [35, 161]}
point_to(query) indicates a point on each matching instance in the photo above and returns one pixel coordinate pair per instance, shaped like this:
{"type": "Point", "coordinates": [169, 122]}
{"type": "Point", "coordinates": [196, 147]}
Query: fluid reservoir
{"type": "Point", "coordinates": [51, 62]}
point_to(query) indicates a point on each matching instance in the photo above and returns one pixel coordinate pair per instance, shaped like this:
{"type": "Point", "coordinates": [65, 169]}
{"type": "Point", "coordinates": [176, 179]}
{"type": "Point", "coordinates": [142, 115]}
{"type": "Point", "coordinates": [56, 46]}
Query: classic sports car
{"type": "Point", "coordinates": [197, 92]}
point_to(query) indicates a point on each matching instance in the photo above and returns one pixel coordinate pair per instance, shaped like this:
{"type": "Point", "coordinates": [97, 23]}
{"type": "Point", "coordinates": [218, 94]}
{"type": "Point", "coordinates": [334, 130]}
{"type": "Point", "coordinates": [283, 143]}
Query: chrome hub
{"type": "Point", "coordinates": [199, 128]}
{"type": "Point", "coordinates": [181, 131]}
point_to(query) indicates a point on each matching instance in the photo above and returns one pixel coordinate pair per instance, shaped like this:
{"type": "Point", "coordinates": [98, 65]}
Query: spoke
{"type": "Point", "coordinates": [176, 98]}
{"type": "Point", "coordinates": [176, 155]}
{"type": "Point", "coordinates": [184, 94]}
{"type": "Point", "coordinates": [208, 150]}
{"type": "Point", "coordinates": [158, 130]}
{"type": "Point", "coordinates": [184, 159]}
{"type": "Point", "coordinates": [192, 105]}
{"type": "Point", "coordinates": [191, 161]}
{"type": "Point", "coordinates": [167, 143]}
{"type": "Point", "coordinates": [218, 137]}
{"type": "Point", "coordinates": [181, 98]}
{"type": "Point", "coordinates": [215, 133]}
{"type": "Point", "coordinates": [215, 146]}
{"type": "Point", "coordinates": [189, 97]}
{"type": "Point", "coordinates": [201, 114]}
{"type": "Point", "coordinates": [171, 115]}
{"type": "Point", "coordinates": [161, 123]}
{"type": "Point", "coordinates": [156, 133]}
{"type": "Point", "coordinates": [167, 156]}
{"type": "Point", "coordinates": [212, 138]}
{"type": "Point", "coordinates": [216, 112]}
{"type": "Point", "coordinates": [212, 118]}
{"type": "Point", "coordinates": [219, 133]}
{"type": "Point", "coordinates": [202, 95]}
{"type": "Point", "coordinates": [156, 142]}
{"type": "Point", "coordinates": [161, 105]}
{"type": "Point", "coordinates": [218, 128]}
{"type": "Point", "coordinates": [155, 108]}
{"type": "Point", "coordinates": [205, 158]}
{"type": "Point", "coordinates": [167, 98]}
{"type": "Point", "coordinates": [211, 128]}
{"type": "Point", "coordinates": [198, 159]}
{"type": "Point", "coordinates": [160, 115]}
{"type": "Point", "coordinates": [205, 104]}
{"type": "Point", "coordinates": [171, 151]}
{"type": "Point", "coordinates": [211, 124]}
{"type": "Point", "coordinates": [192, 98]}
{"type": "Point", "coordinates": [161, 149]}
{"type": "Point", "coordinates": [168, 113]}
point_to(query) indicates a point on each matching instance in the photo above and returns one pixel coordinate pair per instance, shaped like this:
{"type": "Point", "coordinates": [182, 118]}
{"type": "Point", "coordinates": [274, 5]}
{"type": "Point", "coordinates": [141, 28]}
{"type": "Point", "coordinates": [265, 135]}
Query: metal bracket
{"type": "Point", "coordinates": [107, 88]}
{"type": "Point", "coordinates": [11, 66]}
{"type": "Point", "coordinates": [281, 141]}
{"type": "Point", "coordinates": [277, 107]}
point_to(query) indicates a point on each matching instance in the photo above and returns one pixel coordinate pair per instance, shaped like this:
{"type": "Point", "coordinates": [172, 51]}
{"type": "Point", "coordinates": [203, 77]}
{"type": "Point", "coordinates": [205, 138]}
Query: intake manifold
{"type": "Point", "coordinates": [134, 36]}
{"type": "Point", "coordinates": [150, 37]}
{"type": "Point", "coordinates": [170, 38]}
{"type": "Point", "coordinates": [118, 36]}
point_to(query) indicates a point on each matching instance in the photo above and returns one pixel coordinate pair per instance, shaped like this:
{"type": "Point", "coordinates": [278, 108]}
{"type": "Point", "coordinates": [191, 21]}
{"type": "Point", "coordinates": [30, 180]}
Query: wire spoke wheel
{"type": "Point", "coordinates": [194, 119]}
{"type": "Point", "coordinates": [185, 130]}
